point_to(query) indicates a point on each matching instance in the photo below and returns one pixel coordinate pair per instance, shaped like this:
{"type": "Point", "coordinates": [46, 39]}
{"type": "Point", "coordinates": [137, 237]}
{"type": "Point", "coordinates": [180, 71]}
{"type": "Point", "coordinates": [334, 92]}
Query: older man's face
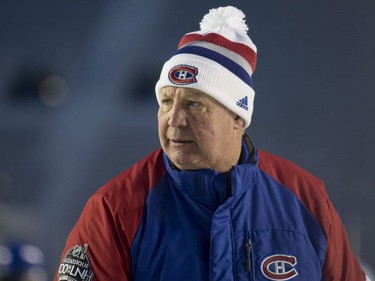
{"type": "Point", "coordinates": [196, 131]}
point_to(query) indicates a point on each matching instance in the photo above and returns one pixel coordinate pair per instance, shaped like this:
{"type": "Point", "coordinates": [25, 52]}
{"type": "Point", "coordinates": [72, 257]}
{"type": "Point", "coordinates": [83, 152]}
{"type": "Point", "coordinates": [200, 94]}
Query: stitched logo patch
{"type": "Point", "coordinates": [279, 267]}
{"type": "Point", "coordinates": [76, 265]}
{"type": "Point", "coordinates": [183, 74]}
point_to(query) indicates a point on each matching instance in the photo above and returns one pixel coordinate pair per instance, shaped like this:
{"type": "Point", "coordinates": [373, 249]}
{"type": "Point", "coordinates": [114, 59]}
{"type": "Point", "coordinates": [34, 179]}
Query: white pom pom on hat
{"type": "Point", "coordinates": [221, 17]}
{"type": "Point", "coordinates": [219, 60]}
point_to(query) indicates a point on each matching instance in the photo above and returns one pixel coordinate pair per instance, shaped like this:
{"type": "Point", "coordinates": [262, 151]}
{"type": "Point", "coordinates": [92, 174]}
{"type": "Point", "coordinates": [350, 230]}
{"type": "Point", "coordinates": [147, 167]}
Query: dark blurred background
{"type": "Point", "coordinates": [77, 102]}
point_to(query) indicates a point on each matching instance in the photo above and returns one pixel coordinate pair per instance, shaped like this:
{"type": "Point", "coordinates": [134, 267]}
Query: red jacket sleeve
{"type": "Point", "coordinates": [340, 263]}
{"type": "Point", "coordinates": [98, 247]}
{"type": "Point", "coordinates": [107, 252]}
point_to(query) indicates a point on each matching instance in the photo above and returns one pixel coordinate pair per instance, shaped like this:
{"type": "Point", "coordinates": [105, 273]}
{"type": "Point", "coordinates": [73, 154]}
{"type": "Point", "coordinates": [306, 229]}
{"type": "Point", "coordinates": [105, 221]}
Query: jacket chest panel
{"type": "Point", "coordinates": [182, 238]}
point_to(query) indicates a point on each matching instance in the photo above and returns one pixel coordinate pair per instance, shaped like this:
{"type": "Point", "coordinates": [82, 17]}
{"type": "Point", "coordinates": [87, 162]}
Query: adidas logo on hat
{"type": "Point", "coordinates": [243, 103]}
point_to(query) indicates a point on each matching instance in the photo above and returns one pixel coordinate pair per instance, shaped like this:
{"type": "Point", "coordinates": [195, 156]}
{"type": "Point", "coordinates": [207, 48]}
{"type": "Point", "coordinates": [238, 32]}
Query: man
{"type": "Point", "coordinates": [208, 205]}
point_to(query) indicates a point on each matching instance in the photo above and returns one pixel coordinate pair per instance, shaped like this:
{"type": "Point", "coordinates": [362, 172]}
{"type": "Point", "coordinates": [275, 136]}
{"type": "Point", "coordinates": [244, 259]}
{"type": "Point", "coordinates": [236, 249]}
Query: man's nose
{"type": "Point", "coordinates": [177, 117]}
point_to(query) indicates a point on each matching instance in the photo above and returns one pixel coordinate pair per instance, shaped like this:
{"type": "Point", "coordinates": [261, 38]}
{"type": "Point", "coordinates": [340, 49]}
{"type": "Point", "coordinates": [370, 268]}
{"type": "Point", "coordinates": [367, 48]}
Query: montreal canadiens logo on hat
{"type": "Point", "coordinates": [183, 74]}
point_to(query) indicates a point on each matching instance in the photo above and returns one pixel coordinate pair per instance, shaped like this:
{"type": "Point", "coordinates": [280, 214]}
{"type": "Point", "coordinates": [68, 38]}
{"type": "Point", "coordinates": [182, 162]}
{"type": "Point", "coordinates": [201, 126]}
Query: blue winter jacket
{"type": "Point", "coordinates": [265, 219]}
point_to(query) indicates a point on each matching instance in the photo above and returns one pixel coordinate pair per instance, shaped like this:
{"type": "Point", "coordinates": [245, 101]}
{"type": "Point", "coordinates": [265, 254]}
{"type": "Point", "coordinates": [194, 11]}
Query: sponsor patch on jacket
{"type": "Point", "coordinates": [279, 267]}
{"type": "Point", "coordinates": [75, 266]}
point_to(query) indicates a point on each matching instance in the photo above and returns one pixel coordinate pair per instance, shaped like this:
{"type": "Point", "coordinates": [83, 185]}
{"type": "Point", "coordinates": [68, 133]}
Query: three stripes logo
{"type": "Point", "coordinates": [243, 103]}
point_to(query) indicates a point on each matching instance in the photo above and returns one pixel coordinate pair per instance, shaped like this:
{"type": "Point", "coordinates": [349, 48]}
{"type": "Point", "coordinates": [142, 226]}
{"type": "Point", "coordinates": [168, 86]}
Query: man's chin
{"type": "Point", "coordinates": [185, 162]}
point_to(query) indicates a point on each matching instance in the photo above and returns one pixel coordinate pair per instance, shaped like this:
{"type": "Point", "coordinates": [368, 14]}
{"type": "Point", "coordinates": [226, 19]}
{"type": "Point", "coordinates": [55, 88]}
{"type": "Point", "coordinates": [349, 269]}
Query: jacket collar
{"type": "Point", "coordinates": [249, 154]}
{"type": "Point", "coordinates": [209, 186]}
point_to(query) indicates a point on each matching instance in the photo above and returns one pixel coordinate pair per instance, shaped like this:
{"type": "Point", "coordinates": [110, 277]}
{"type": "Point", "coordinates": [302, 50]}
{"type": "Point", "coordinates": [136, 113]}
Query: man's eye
{"type": "Point", "coordinates": [166, 101]}
{"type": "Point", "coordinates": [195, 104]}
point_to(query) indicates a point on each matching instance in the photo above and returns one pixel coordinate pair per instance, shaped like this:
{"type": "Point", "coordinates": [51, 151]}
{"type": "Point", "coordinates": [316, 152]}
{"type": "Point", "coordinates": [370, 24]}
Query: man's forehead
{"type": "Point", "coordinates": [171, 91]}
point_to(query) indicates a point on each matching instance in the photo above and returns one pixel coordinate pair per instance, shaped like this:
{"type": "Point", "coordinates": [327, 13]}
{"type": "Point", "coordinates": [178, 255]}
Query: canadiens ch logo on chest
{"type": "Point", "coordinates": [279, 267]}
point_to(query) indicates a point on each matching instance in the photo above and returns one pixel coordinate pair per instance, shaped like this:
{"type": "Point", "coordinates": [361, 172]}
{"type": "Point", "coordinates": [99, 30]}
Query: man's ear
{"type": "Point", "coordinates": [239, 123]}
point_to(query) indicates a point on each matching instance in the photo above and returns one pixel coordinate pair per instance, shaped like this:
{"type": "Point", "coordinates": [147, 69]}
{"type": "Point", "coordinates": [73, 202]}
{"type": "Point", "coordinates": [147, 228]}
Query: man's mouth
{"type": "Point", "coordinates": [180, 142]}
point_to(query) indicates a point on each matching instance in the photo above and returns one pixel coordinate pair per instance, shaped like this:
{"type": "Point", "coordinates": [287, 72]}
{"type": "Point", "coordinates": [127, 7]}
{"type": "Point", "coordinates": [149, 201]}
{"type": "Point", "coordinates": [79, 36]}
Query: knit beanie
{"type": "Point", "coordinates": [219, 60]}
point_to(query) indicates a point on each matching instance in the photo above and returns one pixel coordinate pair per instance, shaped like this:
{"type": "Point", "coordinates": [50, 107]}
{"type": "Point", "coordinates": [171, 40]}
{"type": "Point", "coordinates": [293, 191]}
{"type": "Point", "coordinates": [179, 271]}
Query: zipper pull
{"type": "Point", "coordinates": [248, 255]}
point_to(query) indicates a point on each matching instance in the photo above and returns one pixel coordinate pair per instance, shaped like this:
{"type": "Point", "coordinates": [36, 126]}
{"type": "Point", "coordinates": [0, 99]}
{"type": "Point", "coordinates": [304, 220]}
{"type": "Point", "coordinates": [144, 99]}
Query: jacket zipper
{"type": "Point", "coordinates": [248, 254]}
